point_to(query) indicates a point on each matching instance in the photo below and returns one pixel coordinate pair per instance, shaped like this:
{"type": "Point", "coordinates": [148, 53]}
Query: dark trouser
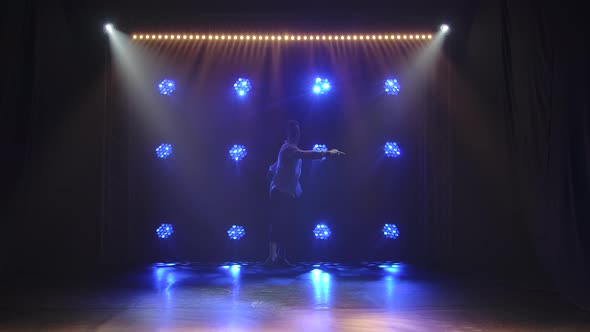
{"type": "Point", "coordinates": [282, 221]}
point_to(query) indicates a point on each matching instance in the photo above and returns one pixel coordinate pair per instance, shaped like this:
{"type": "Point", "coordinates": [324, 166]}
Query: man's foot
{"type": "Point", "coordinates": [284, 262]}
{"type": "Point", "coordinates": [269, 262]}
{"type": "Point", "coordinates": [272, 254]}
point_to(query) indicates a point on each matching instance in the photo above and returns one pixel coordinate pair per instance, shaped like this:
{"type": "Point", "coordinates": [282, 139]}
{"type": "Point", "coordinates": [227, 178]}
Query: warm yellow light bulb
{"type": "Point", "coordinates": [298, 37]}
{"type": "Point", "coordinates": [292, 37]}
{"type": "Point", "coordinates": [140, 36]}
{"type": "Point", "coordinates": [405, 37]}
{"type": "Point", "coordinates": [248, 37]}
{"type": "Point", "coordinates": [353, 38]}
{"type": "Point", "coordinates": [373, 37]}
{"type": "Point", "coordinates": [304, 37]}
{"type": "Point", "coordinates": [429, 36]}
{"type": "Point", "coordinates": [380, 37]}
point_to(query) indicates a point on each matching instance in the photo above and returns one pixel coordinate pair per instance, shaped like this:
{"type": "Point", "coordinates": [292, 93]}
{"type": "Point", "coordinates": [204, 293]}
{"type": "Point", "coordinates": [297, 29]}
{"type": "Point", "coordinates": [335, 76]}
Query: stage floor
{"type": "Point", "coordinates": [308, 297]}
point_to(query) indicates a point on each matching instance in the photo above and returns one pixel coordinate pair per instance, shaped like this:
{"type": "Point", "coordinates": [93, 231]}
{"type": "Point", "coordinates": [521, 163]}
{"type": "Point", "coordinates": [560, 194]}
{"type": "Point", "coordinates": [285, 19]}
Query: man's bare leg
{"type": "Point", "coordinates": [272, 253]}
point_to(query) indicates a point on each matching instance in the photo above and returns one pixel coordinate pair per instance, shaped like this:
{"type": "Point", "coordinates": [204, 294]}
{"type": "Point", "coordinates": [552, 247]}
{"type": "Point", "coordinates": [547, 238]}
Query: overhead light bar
{"type": "Point", "coordinates": [281, 37]}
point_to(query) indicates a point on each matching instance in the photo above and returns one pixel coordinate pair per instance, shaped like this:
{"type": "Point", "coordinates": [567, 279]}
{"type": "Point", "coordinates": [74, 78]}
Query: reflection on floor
{"type": "Point", "coordinates": [308, 297]}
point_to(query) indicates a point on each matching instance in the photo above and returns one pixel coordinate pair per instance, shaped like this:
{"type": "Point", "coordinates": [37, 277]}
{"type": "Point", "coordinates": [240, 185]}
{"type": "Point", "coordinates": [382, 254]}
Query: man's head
{"type": "Point", "coordinates": [293, 132]}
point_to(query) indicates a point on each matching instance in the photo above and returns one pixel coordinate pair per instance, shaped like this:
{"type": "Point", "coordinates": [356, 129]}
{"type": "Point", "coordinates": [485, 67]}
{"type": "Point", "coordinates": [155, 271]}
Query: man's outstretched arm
{"type": "Point", "coordinates": [310, 154]}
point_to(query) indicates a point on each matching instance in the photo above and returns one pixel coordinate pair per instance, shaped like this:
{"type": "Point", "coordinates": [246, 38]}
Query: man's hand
{"type": "Point", "coordinates": [335, 152]}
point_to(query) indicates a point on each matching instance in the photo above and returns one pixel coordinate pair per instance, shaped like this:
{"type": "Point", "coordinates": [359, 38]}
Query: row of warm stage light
{"type": "Point", "coordinates": [282, 37]}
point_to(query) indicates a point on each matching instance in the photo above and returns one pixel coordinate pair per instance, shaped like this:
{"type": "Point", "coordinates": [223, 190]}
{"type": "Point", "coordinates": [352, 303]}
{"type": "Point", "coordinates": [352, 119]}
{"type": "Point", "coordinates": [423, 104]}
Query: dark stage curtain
{"type": "Point", "coordinates": [515, 201]}
{"type": "Point", "coordinates": [545, 69]}
{"type": "Point", "coordinates": [52, 124]}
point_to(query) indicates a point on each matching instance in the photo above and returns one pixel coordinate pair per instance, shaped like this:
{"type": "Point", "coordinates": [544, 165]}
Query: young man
{"type": "Point", "coordinates": [285, 189]}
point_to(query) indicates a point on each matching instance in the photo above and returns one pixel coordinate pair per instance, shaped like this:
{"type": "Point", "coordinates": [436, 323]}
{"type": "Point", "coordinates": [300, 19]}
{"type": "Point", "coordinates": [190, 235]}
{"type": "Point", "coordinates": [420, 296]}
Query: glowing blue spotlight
{"type": "Point", "coordinates": [390, 231]}
{"type": "Point", "coordinates": [164, 150]}
{"type": "Point", "coordinates": [321, 86]}
{"type": "Point", "coordinates": [322, 232]}
{"type": "Point", "coordinates": [392, 150]}
{"type": "Point", "coordinates": [166, 87]}
{"type": "Point", "coordinates": [321, 148]}
{"type": "Point", "coordinates": [242, 86]}
{"type": "Point", "coordinates": [237, 152]}
{"type": "Point", "coordinates": [164, 231]}
{"type": "Point", "coordinates": [444, 28]}
{"type": "Point", "coordinates": [236, 232]}
{"type": "Point", "coordinates": [392, 86]}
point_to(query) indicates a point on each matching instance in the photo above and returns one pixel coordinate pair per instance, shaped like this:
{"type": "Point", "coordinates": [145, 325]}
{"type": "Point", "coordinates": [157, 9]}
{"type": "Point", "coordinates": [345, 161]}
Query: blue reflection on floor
{"type": "Point", "coordinates": [242, 296]}
{"type": "Point", "coordinates": [321, 282]}
{"type": "Point", "coordinates": [317, 285]}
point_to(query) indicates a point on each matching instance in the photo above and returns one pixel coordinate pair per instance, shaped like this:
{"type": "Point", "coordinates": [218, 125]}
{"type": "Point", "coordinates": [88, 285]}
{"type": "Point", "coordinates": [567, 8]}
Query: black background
{"type": "Point", "coordinates": [507, 178]}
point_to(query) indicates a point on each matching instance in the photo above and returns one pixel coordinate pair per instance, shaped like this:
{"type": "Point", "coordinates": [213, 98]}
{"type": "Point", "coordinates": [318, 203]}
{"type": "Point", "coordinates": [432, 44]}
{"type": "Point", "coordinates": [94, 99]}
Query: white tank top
{"type": "Point", "coordinates": [288, 171]}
